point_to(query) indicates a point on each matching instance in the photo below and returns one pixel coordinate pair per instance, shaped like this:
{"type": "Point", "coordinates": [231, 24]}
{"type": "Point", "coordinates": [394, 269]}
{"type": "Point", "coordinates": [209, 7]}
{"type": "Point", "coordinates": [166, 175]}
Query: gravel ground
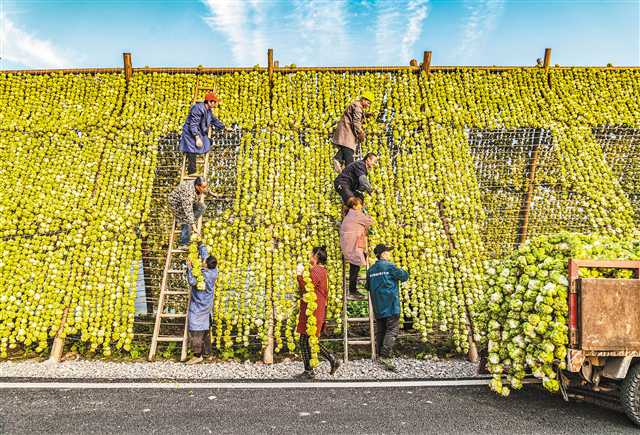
{"type": "Point", "coordinates": [354, 370]}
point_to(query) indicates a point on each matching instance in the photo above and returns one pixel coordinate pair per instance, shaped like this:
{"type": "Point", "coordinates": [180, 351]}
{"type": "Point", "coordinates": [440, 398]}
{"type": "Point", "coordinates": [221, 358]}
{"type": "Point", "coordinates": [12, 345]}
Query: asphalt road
{"type": "Point", "coordinates": [358, 410]}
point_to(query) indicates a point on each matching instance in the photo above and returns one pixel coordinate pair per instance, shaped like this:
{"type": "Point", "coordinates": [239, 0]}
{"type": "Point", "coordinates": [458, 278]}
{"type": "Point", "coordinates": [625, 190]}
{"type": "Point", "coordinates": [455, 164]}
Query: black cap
{"type": "Point", "coordinates": [379, 249]}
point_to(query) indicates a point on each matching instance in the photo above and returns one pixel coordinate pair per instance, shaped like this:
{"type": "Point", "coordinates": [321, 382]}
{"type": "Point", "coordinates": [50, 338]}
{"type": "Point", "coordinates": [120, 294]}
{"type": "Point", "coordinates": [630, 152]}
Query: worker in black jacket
{"type": "Point", "coordinates": [353, 180]}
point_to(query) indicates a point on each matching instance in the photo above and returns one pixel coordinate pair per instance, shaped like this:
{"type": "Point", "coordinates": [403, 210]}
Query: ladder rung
{"type": "Point", "coordinates": [357, 342]}
{"type": "Point", "coordinates": [356, 319]}
{"type": "Point", "coordinates": [178, 251]}
{"type": "Point", "coordinates": [173, 315]}
{"type": "Point", "coordinates": [174, 271]}
{"type": "Point", "coordinates": [176, 293]}
{"type": "Point", "coordinates": [192, 177]}
{"type": "Point", "coordinates": [170, 338]}
{"type": "Point", "coordinates": [351, 298]}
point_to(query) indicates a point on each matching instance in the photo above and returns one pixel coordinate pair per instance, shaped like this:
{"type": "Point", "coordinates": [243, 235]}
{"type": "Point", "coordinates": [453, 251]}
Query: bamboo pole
{"type": "Point", "coordinates": [381, 69]}
{"type": "Point", "coordinates": [525, 208]}
{"type": "Point", "coordinates": [128, 69]}
{"type": "Point", "coordinates": [200, 70]}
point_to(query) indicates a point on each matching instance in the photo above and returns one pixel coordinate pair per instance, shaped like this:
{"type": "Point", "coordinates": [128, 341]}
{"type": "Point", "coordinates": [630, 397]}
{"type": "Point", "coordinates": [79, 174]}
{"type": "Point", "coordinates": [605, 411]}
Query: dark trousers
{"type": "Point", "coordinates": [386, 333]}
{"type": "Point", "coordinates": [200, 342]}
{"type": "Point", "coordinates": [191, 162]}
{"type": "Point", "coordinates": [344, 155]}
{"type": "Point", "coordinates": [305, 349]}
{"type": "Point", "coordinates": [354, 270]}
{"type": "Point", "coordinates": [185, 231]}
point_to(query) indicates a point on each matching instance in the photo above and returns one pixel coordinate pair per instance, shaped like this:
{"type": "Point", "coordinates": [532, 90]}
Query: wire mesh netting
{"type": "Point", "coordinates": [503, 165]}
{"type": "Point", "coordinates": [621, 150]}
{"type": "Point", "coordinates": [523, 196]}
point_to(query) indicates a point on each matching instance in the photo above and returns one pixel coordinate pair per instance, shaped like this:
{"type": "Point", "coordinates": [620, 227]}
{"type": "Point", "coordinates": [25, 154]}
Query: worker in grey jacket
{"type": "Point", "coordinates": [349, 131]}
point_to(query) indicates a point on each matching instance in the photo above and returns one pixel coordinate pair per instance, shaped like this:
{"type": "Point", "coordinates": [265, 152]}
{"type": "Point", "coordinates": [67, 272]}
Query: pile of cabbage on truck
{"type": "Point", "coordinates": [524, 314]}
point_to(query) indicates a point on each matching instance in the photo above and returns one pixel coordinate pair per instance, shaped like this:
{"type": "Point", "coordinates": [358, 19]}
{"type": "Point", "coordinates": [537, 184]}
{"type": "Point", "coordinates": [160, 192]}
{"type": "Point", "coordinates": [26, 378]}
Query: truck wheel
{"type": "Point", "coordinates": [630, 394]}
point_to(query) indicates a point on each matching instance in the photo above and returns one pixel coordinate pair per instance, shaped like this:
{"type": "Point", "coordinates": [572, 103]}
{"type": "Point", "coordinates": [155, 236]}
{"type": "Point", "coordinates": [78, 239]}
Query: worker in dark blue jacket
{"type": "Point", "coordinates": [195, 131]}
{"type": "Point", "coordinates": [382, 284]}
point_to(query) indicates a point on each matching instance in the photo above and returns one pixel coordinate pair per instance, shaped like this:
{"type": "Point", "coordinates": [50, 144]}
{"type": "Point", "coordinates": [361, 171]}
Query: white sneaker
{"type": "Point", "coordinates": [194, 360]}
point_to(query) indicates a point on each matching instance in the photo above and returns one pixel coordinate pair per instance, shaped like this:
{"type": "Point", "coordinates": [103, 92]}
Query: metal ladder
{"type": "Point", "coordinates": [346, 320]}
{"type": "Point", "coordinates": [165, 292]}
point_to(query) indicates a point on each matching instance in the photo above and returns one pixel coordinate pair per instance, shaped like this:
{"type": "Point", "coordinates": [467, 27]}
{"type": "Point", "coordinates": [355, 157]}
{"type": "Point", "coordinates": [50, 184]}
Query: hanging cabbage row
{"type": "Point", "coordinates": [87, 162]}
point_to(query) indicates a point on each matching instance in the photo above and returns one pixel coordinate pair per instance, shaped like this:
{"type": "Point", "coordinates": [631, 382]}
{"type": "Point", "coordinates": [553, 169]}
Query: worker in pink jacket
{"type": "Point", "coordinates": [353, 241]}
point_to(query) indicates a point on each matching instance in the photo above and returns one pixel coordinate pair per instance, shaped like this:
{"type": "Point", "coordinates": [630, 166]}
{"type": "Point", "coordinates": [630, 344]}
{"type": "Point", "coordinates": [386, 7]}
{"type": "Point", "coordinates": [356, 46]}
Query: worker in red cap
{"type": "Point", "coordinates": [195, 132]}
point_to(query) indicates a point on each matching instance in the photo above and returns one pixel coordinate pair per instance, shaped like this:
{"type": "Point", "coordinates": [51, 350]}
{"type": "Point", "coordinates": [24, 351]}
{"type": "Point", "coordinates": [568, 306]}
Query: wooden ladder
{"type": "Point", "coordinates": [165, 291]}
{"type": "Point", "coordinates": [346, 320]}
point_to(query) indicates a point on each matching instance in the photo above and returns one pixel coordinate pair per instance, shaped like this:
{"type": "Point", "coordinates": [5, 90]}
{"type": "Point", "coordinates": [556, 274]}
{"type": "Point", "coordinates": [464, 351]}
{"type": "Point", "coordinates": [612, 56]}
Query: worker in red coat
{"type": "Point", "coordinates": [320, 280]}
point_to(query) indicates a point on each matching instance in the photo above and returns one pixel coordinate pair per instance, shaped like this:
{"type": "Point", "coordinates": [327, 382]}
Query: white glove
{"type": "Point", "coordinates": [300, 269]}
{"type": "Point", "coordinates": [199, 143]}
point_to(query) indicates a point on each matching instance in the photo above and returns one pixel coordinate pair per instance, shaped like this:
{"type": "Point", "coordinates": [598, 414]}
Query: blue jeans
{"type": "Point", "coordinates": [185, 232]}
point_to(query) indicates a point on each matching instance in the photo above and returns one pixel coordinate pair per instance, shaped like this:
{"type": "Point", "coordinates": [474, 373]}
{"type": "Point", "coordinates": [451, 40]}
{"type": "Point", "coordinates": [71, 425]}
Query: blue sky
{"type": "Point", "coordinates": [55, 34]}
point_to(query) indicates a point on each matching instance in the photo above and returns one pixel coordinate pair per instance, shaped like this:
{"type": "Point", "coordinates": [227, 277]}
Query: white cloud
{"type": "Point", "coordinates": [481, 20]}
{"type": "Point", "coordinates": [22, 48]}
{"type": "Point", "coordinates": [242, 24]}
{"type": "Point", "coordinates": [419, 12]}
{"type": "Point", "coordinates": [398, 27]}
{"type": "Point", "coordinates": [323, 31]}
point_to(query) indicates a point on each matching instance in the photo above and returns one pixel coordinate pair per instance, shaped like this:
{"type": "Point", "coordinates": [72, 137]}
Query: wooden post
{"type": "Point", "coordinates": [547, 58]}
{"type": "Point", "coordinates": [128, 69]}
{"type": "Point", "coordinates": [58, 341]}
{"type": "Point", "coordinates": [267, 356]}
{"type": "Point", "coordinates": [426, 62]}
{"type": "Point", "coordinates": [526, 203]}
{"type": "Point", "coordinates": [270, 63]}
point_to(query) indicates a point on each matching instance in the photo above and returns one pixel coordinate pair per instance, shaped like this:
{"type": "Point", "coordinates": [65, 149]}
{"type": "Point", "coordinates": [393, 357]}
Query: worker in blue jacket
{"type": "Point", "coordinates": [382, 284]}
{"type": "Point", "coordinates": [201, 305]}
{"type": "Point", "coordinates": [195, 131]}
